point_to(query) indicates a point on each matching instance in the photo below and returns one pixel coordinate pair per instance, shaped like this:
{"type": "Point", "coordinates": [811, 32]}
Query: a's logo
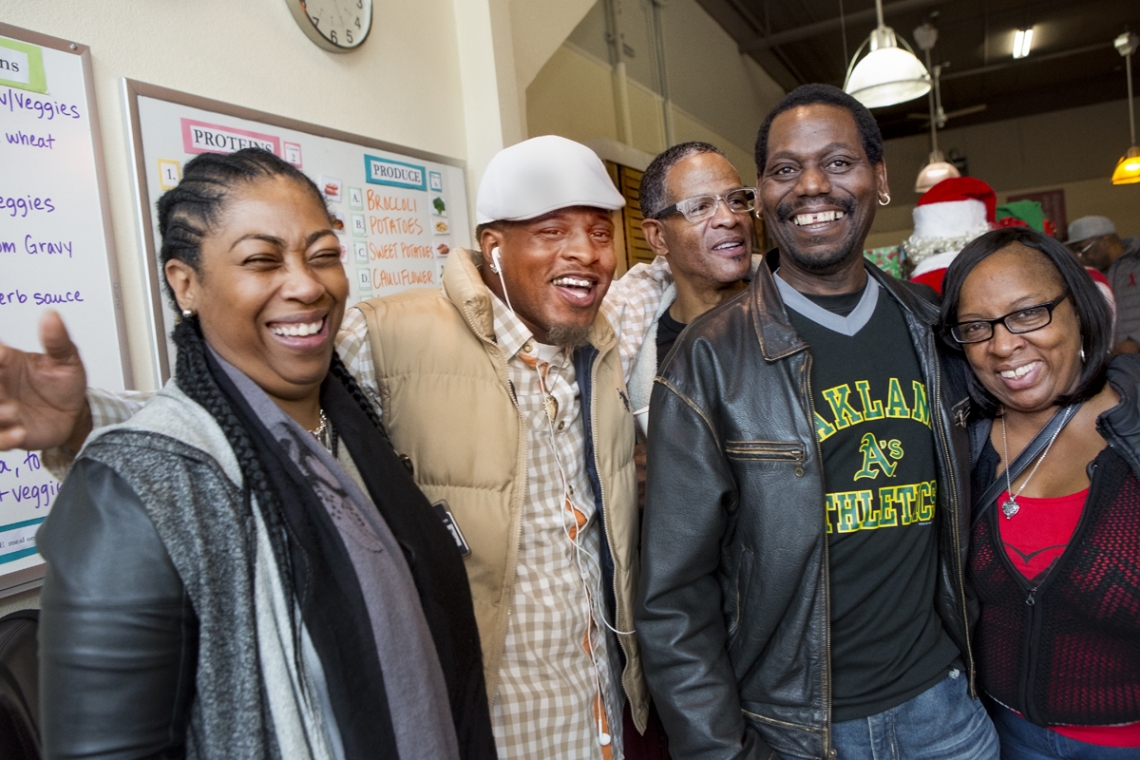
{"type": "Point", "coordinates": [878, 454]}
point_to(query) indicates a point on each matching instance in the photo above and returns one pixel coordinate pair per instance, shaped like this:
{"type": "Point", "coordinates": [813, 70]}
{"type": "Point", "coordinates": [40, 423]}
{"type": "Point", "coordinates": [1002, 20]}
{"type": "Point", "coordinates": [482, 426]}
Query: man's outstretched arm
{"type": "Point", "coordinates": [43, 400]}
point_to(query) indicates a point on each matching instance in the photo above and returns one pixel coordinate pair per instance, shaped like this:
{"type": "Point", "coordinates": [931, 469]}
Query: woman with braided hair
{"type": "Point", "coordinates": [223, 580]}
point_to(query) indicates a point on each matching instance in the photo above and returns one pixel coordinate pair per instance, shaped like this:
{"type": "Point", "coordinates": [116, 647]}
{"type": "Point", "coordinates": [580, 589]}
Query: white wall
{"type": "Point", "coordinates": [716, 94]}
{"type": "Point", "coordinates": [404, 85]}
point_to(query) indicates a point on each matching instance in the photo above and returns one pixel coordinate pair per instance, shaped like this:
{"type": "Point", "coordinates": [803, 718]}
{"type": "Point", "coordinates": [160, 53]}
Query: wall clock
{"type": "Point", "coordinates": [338, 26]}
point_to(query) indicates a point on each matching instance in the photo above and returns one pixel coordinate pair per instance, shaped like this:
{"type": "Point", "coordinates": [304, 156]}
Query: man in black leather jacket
{"type": "Point", "coordinates": [802, 587]}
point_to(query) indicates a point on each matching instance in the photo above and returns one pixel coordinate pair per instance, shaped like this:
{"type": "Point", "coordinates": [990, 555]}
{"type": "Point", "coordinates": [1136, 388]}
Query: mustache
{"type": "Point", "coordinates": [785, 211]}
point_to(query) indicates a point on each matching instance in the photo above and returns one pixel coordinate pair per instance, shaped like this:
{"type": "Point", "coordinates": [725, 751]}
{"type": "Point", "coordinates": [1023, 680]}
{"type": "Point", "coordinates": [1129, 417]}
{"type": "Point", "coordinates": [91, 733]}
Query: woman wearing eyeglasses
{"type": "Point", "coordinates": [1055, 559]}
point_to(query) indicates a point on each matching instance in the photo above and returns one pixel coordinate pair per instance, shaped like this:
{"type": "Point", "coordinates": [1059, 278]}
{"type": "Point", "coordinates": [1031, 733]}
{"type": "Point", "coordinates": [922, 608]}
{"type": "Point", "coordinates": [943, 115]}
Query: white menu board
{"type": "Point", "coordinates": [398, 211]}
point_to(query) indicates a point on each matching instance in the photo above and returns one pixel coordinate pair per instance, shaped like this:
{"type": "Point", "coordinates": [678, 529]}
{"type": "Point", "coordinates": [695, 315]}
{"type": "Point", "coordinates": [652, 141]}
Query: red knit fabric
{"type": "Point", "coordinates": [1068, 650]}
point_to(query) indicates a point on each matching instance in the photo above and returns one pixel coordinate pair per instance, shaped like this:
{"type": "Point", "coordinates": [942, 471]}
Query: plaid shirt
{"type": "Point", "coordinates": [547, 701]}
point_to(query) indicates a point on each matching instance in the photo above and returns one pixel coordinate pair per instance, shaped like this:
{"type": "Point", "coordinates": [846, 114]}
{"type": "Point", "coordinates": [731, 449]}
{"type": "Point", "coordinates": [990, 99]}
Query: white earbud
{"type": "Point", "coordinates": [604, 739]}
{"type": "Point", "coordinates": [497, 268]}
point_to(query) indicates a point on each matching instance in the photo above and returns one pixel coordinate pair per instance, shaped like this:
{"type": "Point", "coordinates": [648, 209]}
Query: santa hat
{"type": "Point", "coordinates": [948, 215]}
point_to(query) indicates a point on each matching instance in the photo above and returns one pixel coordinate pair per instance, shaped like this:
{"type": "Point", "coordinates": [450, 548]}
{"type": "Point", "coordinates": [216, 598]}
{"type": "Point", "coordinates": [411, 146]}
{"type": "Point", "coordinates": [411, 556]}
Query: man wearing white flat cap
{"type": "Point", "coordinates": [506, 391]}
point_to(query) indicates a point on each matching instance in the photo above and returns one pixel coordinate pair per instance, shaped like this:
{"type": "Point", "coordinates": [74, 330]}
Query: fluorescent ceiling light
{"type": "Point", "coordinates": [1022, 39]}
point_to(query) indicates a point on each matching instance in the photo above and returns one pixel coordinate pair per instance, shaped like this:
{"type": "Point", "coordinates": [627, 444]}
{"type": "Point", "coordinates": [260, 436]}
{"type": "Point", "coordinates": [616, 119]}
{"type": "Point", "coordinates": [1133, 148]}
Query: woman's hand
{"type": "Point", "coordinates": [43, 397]}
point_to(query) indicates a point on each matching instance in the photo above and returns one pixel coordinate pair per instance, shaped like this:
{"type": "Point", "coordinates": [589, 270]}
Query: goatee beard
{"type": "Point", "coordinates": [568, 336]}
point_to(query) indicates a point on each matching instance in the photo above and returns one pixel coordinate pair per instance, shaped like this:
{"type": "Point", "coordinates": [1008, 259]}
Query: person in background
{"type": "Point", "coordinates": [698, 217]}
{"type": "Point", "coordinates": [223, 579]}
{"type": "Point", "coordinates": [1055, 549]}
{"type": "Point", "coordinates": [1094, 241]}
{"type": "Point", "coordinates": [505, 393]}
{"type": "Point", "coordinates": [802, 590]}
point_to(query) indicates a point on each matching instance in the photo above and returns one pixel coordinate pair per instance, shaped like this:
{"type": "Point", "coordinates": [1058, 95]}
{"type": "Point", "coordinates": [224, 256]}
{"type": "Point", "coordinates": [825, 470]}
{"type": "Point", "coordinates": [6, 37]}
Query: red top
{"type": "Point", "coordinates": [1034, 539]}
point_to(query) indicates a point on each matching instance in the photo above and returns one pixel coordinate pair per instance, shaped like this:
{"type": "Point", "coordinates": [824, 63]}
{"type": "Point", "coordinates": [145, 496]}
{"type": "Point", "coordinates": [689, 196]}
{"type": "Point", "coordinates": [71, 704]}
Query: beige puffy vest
{"type": "Point", "coordinates": [447, 405]}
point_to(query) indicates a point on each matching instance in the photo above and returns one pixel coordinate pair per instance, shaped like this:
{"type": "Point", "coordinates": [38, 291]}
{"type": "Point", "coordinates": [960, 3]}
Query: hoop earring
{"type": "Point", "coordinates": [887, 196]}
{"type": "Point", "coordinates": [1082, 354]}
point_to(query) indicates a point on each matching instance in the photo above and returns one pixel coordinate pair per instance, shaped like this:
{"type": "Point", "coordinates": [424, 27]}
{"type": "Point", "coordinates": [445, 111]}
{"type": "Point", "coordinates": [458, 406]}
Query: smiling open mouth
{"type": "Point", "coordinates": [298, 329]}
{"type": "Point", "coordinates": [1022, 371]}
{"type": "Point", "coordinates": [577, 283]}
{"type": "Point", "coordinates": [803, 220]}
{"type": "Point", "coordinates": [728, 245]}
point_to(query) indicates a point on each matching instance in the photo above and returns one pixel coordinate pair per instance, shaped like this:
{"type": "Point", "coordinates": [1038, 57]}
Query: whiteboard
{"type": "Point", "coordinates": [55, 252]}
{"type": "Point", "coordinates": [398, 211]}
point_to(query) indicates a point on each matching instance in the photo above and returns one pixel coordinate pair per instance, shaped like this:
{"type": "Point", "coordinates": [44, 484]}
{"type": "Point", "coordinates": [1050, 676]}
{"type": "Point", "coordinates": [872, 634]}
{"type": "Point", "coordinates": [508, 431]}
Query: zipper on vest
{"type": "Point", "coordinates": [828, 751]}
{"type": "Point", "coordinates": [1034, 630]}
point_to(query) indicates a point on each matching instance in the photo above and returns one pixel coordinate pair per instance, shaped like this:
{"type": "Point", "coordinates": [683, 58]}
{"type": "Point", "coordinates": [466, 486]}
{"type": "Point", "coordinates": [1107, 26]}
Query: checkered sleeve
{"type": "Point", "coordinates": [631, 306]}
{"type": "Point", "coordinates": [107, 408]}
{"type": "Point", "coordinates": [352, 343]}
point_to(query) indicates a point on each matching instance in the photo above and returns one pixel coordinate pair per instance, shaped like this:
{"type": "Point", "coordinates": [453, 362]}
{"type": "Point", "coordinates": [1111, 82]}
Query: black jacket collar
{"type": "Point", "coordinates": [778, 338]}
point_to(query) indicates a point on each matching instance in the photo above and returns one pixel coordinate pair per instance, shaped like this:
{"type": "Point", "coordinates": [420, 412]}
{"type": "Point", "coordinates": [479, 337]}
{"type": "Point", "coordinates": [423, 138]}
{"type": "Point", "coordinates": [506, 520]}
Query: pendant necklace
{"type": "Point", "coordinates": [325, 434]}
{"type": "Point", "coordinates": [1010, 507]}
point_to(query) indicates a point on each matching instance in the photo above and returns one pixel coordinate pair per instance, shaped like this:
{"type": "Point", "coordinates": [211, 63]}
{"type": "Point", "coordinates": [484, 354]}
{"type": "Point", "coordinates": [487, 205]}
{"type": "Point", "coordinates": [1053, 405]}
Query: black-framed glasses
{"type": "Point", "coordinates": [701, 207]}
{"type": "Point", "coordinates": [1023, 320]}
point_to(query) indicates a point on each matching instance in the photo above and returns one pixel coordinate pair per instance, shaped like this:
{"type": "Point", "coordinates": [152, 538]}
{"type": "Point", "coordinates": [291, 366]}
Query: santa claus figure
{"type": "Point", "coordinates": [948, 215]}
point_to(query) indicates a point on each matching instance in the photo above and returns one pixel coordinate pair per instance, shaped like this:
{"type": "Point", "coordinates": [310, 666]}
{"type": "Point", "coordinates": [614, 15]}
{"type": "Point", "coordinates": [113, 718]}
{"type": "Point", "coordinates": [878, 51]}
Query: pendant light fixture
{"type": "Point", "coordinates": [939, 168]}
{"type": "Point", "coordinates": [1128, 168]}
{"type": "Point", "coordinates": [888, 74]}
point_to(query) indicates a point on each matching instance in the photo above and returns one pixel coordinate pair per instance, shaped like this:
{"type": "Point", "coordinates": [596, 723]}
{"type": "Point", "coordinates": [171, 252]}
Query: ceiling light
{"type": "Point", "coordinates": [1022, 39]}
{"type": "Point", "coordinates": [934, 172]}
{"type": "Point", "coordinates": [888, 74]}
{"type": "Point", "coordinates": [1128, 168]}
{"type": "Point", "coordinates": [938, 169]}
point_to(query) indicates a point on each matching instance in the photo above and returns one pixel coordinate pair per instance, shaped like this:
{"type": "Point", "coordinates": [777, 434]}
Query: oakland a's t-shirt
{"type": "Point", "coordinates": [880, 476]}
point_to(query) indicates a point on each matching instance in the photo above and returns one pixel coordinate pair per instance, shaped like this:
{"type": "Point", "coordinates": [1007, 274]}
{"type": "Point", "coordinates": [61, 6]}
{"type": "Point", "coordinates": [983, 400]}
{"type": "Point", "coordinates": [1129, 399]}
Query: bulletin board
{"type": "Point", "coordinates": [56, 251]}
{"type": "Point", "coordinates": [397, 211]}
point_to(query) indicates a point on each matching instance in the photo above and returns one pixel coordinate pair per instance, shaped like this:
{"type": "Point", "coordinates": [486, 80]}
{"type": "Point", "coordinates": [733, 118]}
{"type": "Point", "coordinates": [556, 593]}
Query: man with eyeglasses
{"type": "Point", "coordinates": [698, 217]}
{"type": "Point", "coordinates": [1094, 241]}
{"type": "Point", "coordinates": [802, 591]}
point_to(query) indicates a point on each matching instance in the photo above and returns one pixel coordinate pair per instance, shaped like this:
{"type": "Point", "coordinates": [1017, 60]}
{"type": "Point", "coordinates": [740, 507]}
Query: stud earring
{"type": "Point", "coordinates": [186, 314]}
{"type": "Point", "coordinates": [1082, 354]}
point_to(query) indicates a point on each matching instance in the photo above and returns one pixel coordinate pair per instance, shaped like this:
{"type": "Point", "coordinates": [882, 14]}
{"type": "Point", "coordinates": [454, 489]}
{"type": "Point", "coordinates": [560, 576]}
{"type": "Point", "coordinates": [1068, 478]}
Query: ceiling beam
{"type": "Point", "coordinates": [822, 27]}
{"type": "Point", "coordinates": [951, 75]}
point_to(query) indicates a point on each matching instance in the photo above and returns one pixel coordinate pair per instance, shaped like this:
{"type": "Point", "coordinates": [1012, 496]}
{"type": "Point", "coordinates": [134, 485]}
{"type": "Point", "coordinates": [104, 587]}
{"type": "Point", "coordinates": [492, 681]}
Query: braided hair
{"type": "Point", "coordinates": [189, 212]}
{"type": "Point", "coordinates": [186, 215]}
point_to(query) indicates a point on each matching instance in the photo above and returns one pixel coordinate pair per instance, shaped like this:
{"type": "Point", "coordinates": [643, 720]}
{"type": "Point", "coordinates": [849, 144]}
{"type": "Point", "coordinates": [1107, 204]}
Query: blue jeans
{"type": "Point", "coordinates": [941, 723]}
{"type": "Point", "coordinates": [1022, 740]}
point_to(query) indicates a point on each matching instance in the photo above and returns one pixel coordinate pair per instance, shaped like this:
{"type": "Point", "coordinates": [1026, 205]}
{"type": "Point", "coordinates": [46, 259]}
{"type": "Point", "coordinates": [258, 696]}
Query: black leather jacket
{"type": "Point", "coordinates": [733, 609]}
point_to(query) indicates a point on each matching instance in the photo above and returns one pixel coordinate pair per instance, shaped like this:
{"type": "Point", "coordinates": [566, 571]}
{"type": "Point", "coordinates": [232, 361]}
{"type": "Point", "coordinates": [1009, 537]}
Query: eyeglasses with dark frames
{"type": "Point", "coordinates": [701, 207]}
{"type": "Point", "coordinates": [1018, 322]}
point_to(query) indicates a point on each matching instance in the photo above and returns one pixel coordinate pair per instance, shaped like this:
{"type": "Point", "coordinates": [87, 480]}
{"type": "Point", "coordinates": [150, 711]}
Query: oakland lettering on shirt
{"type": "Point", "coordinates": [896, 505]}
